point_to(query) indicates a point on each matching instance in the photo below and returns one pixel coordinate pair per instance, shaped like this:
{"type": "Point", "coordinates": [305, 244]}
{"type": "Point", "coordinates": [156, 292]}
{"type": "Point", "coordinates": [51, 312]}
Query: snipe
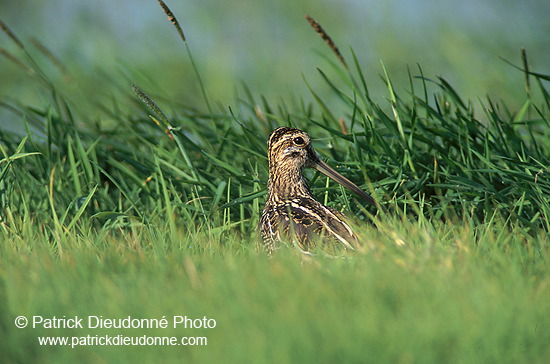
{"type": "Point", "coordinates": [290, 210]}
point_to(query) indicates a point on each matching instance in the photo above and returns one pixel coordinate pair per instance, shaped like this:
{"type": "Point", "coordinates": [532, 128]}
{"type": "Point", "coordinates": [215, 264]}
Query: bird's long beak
{"type": "Point", "coordinates": [329, 172]}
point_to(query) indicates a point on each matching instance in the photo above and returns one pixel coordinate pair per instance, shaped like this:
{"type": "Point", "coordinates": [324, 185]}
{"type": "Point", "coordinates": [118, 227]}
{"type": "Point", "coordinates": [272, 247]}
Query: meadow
{"type": "Point", "coordinates": [152, 212]}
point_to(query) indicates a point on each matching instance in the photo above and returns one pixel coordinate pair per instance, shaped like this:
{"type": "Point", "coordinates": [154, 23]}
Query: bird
{"type": "Point", "coordinates": [291, 213]}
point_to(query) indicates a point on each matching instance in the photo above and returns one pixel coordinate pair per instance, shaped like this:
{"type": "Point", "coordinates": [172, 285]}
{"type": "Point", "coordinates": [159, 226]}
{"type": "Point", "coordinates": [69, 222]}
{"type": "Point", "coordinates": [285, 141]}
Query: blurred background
{"type": "Point", "coordinates": [267, 45]}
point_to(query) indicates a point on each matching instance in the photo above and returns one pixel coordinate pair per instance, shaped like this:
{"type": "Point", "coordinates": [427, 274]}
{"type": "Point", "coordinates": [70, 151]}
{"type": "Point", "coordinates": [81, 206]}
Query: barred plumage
{"type": "Point", "coordinates": [290, 208]}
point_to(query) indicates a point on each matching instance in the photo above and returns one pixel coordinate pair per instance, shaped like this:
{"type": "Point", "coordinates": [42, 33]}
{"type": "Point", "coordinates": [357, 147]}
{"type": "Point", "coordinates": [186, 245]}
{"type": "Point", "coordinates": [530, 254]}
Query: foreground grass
{"type": "Point", "coordinates": [425, 294]}
{"type": "Point", "coordinates": [152, 216]}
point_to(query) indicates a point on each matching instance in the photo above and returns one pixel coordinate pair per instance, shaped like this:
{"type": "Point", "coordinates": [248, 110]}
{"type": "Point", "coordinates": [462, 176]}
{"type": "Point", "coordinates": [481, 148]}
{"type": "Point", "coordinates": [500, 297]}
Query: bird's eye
{"type": "Point", "coordinates": [299, 141]}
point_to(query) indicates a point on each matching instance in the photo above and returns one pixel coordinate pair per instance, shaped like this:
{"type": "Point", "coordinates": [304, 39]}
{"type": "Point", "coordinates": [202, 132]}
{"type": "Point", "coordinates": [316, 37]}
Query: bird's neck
{"type": "Point", "coordinates": [287, 184]}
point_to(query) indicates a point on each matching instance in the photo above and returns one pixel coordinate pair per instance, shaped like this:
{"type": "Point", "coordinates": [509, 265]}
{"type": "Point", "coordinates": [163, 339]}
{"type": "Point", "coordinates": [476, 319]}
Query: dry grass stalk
{"type": "Point", "coordinates": [14, 59]}
{"type": "Point", "coordinates": [328, 40]}
{"type": "Point", "coordinates": [10, 34]}
{"type": "Point", "coordinates": [172, 18]}
{"type": "Point", "coordinates": [52, 58]}
{"type": "Point", "coordinates": [149, 102]}
{"type": "Point", "coordinates": [343, 126]}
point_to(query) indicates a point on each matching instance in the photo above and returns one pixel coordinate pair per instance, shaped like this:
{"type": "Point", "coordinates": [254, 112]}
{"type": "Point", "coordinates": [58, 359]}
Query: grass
{"type": "Point", "coordinates": [150, 213]}
{"type": "Point", "coordinates": [446, 295]}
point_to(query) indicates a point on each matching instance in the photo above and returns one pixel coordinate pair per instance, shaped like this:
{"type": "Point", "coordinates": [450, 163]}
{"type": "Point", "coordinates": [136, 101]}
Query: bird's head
{"type": "Point", "coordinates": [289, 150]}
